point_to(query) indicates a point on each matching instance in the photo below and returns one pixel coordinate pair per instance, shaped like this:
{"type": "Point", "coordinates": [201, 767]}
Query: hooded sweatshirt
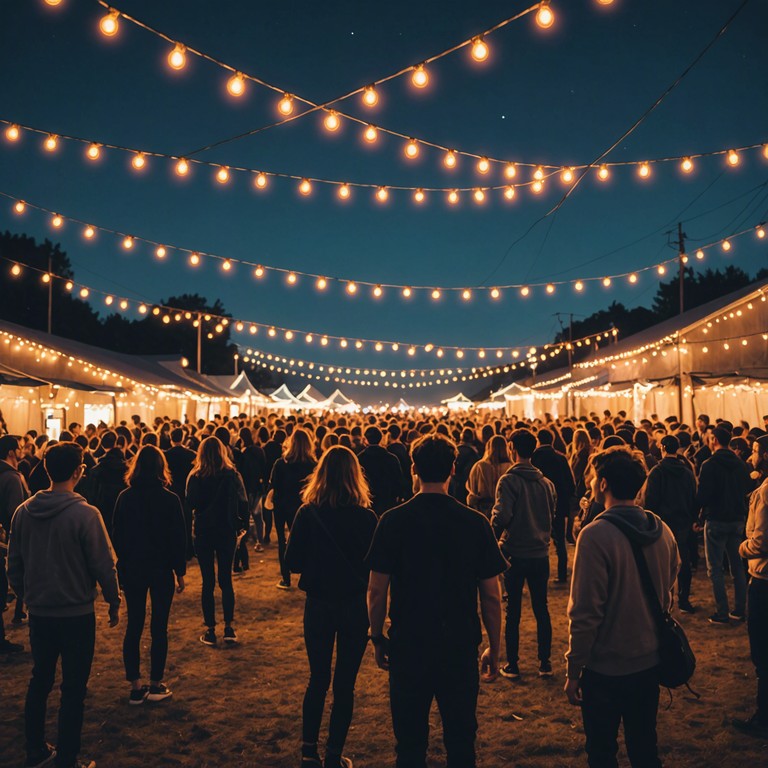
{"type": "Point", "coordinates": [522, 515]}
{"type": "Point", "coordinates": [58, 551]}
{"type": "Point", "coordinates": [13, 490]}
{"type": "Point", "coordinates": [755, 548]}
{"type": "Point", "coordinates": [724, 483]}
{"type": "Point", "coordinates": [670, 493]}
{"type": "Point", "coordinates": [612, 629]}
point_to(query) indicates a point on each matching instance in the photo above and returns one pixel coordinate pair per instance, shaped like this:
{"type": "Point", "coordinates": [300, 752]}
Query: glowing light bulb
{"type": "Point", "coordinates": [69, 285]}
{"type": "Point", "coordinates": [479, 196]}
{"type": "Point", "coordinates": [15, 270]}
{"type": "Point", "coordinates": [109, 301]}
{"type": "Point", "coordinates": [661, 269]}
{"type": "Point", "coordinates": [382, 194]}
{"type": "Point", "coordinates": [495, 293]}
{"type": "Point", "coordinates": [510, 171]}
{"type": "Point", "coordinates": [177, 58]}
{"type": "Point", "coordinates": [579, 286]}
{"type": "Point", "coordinates": [332, 122]}
{"type": "Point", "coordinates": [370, 97]}
{"type": "Point", "coordinates": [12, 133]}
{"type": "Point", "coordinates": [324, 341]}
{"type": "Point", "coordinates": [509, 192]}
{"type": "Point", "coordinates": [182, 167]}
{"type": "Point", "coordinates": [377, 291]}
{"type": "Point", "coordinates": [226, 265]}
{"type": "Point", "coordinates": [351, 288]}
{"type": "Point", "coordinates": [418, 195]}
{"type": "Point", "coordinates": [633, 278]}
{"type": "Point", "coordinates": [51, 142]}
{"type": "Point", "coordinates": [449, 160]}
{"type": "Point", "coordinates": [765, 151]}
{"type": "Point", "coordinates": [420, 78]}
{"type": "Point", "coordinates": [160, 252]}
{"type": "Point", "coordinates": [411, 351]}
{"type": "Point", "coordinates": [480, 49]}
{"type": "Point", "coordinates": [344, 191]}
{"type": "Point", "coordinates": [138, 161]}
{"type": "Point", "coordinates": [483, 165]}
{"type": "Point", "coordinates": [760, 231]}
{"type": "Point", "coordinates": [20, 206]}
{"type": "Point", "coordinates": [194, 259]}
{"type": "Point", "coordinates": [603, 173]}
{"type": "Point", "coordinates": [285, 105]}
{"type": "Point", "coordinates": [289, 335]}
{"type": "Point", "coordinates": [57, 221]}
{"type": "Point", "coordinates": [453, 197]}
{"type": "Point", "coordinates": [606, 282]}
{"type": "Point", "coordinates": [687, 165]}
{"type": "Point", "coordinates": [272, 332]}
{"type": "Point", "coordinates": [84, 293]}
{"type": "Point", "coordinates": [411, 149]}
{"type": "Point", "coordinates": [537, 186]}
{"type": "Point", "coordinates": [466, 294]}
{"type": "Point", "coordinates": [435, 294]}
{"type": "Point", "coordinates": [371, 133]}
{"type": "Point", "coordinates": [550, 289]}
{"type": "Point", "coordinates": [46, 278]}
{"type": "Point", "coordinates": [305, 187]}
{"type": "Point", "coordinates": [291, 278]}
{"type": "Point", "coordinates": [222, 175]}
{"type": "Point", "coordinates": [459, 353]}
{"type": "Point", "coordinates": [236, 85]}
{"type": "Point", "coordinates": [733, 157]}
{"type": "Point", "coordinates": [142, 309]}
{"type": "Point", "coordinates": [128, 243]}
{"type": "Point", "coordinates": [258, 272]}
{"type": "Point", "coordinates": [545, 18]}
{"type": "Point", "coordinates": [525, 291]}
{"type": "Point", "coordinates": [93, 152]}
{"type": "Point", "coordinates": [89, 232]}
{"type": "Point", "coordinates": [407, 292]}
{"type": "Point", "coordinates": [700, 254]}
{"type": "Point", "coordinates": [123, 305]}
{"type": "Point", "coordinates": [109, 24]}
{"type": "Point", "coordinates": [726, 245]}
{"type": "Point", "coordinates": [644, 170]}
{"type": "Point", "coordinates": [53, 3]}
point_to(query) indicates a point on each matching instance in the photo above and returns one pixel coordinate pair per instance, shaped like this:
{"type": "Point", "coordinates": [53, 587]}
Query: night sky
{"type": "Point", "coordinates": [559, 97]}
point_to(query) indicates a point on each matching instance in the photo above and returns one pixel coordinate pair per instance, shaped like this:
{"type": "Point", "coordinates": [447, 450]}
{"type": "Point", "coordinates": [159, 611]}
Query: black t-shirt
{"type": "Point", "coordinates": [435, 551]}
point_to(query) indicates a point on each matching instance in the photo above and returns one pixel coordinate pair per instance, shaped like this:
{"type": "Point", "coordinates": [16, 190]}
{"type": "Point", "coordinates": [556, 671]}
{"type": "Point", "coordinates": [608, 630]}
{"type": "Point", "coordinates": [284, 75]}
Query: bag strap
{"type": "Point", "coordinates": [316, 517]}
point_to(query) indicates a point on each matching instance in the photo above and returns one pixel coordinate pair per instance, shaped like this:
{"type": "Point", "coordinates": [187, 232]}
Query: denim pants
{"type": "Point", "coordinates": [534, 570]}
{"type": "Point", "coordinates": [723, 539]}
{"type": "Point", "coordinates": [559, 525]}
{"type": "Point", "coordinates": [757, 626]}
{"type": "Point", "coordinates": [220, 545]}
{"type": "Point", "coordinates": [72, 638]}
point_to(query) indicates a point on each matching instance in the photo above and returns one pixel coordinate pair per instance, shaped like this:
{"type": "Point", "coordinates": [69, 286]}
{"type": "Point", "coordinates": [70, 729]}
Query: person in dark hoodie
{"type": "Point", "coordinates": [180, 460]}
{"type": "Point", "coordinates": [150, 541]}
{"type": "Point", "coordinates": [724, 483]}
{"type": "Point", "coordinates": [382, 471]}
{"type": "Point", "coordinates": [59, 550]}
{"type": "Point", "coordinates": [107, 478]}
{"type": "Point", "coordinates": [670, 493]}
{"type": "Point", "coordinates": [522, 521]}
{"type": "Point", "coordinates": [613, 656]}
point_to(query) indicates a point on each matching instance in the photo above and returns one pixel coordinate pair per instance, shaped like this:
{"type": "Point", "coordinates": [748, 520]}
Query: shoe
{"type": "Point", "coordinates": [138, 695]}
{"type": "Point", "coordinates": [209, 638]}
{"type": "Point", "coordinates": [686, 607]}
{"type": "Point", "coordinates": [717, 618]}
{"type": "Point", "coordinates": [738, 615]}
{"type": "Point", "coordinates": [230, 636]}
{"type": "Point", "coordinates": [510, 670]}
{"type": "Point", "coordinates": [46, 757]}
{"type": "Point", "coordinates": [159, 692]}
{"type": "Point", "coordinates": [751, 727]}
{"type": "Point", "coordinates": [344, 762]}
{"type": "Point", "coordinates": [257, 547]}
{"type": "Point", "coordinates": [283, 585]}
{"type": "Point", "coordinates": [545, 669]}
{"type": "Point", "coordinates": [7, 647]}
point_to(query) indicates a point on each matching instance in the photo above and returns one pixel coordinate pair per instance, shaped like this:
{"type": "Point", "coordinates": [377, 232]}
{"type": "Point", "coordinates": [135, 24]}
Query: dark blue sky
{"type": "Point", "coordinates": [560, 98]}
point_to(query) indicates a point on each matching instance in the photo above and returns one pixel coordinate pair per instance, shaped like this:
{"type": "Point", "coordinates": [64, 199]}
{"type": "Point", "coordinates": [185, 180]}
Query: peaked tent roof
{"type": "Point", "coordinates": [283, 395]}
{"type": "Point", "coordinates": [337, 397]}
{"type": "Point", "coordinates": [310, 395]}
{"type": "Point", "coordinates": [460, 398]}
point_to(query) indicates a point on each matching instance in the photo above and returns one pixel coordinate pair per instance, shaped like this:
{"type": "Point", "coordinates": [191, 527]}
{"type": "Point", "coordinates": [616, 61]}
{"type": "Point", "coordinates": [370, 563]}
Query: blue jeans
{"type": "Point", "coordinates": [723, 539]}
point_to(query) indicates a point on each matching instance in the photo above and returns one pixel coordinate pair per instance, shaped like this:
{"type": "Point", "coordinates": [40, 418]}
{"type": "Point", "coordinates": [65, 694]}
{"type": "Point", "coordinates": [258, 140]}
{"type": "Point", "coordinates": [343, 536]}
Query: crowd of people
{"type": "Point", "coordinates": [411, 517]}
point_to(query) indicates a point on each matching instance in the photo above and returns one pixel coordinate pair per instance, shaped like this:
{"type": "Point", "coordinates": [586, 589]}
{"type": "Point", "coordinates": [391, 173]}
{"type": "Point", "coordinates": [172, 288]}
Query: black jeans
{"type": "Point", "coordinates": [73, 638]}
{"type": "Point", "coordinates": [534, 570]}
{"type": "Point", "coordinates": [559, 525]}
{"type": "Point", "coordinates": [684, 576]}
{"type": "Point", "coordinates": [452, 678]}
{"type": "Point", "coordinates": [757, 626]}
{"type": "Point", "coordinates": [283, 518]}
{"type": "Point", "coordinates": [608, 700]}
{"type": "Point", "coordinates": [218, 544]}
{"type": "Point", "coordinates": [344, 624]}
{"type": "Point", "coordinates": [160, 585]}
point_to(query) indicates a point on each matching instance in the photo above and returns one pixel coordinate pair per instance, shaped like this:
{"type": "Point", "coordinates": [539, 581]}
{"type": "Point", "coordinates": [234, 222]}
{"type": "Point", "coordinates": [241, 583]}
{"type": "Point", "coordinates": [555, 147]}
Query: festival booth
{"type": "Point", "coordinates": [338, 401]}
{"type": "Point", "coordinates": [241, 395]}
{"type": "Point", "coordinates": [311, 397]}
{"type": "Point", "coordinates": [401, 406]}
{"type": "Point", "coordinates": [458, 402]}
{"type": "Point", "coordinates": [284, 400]}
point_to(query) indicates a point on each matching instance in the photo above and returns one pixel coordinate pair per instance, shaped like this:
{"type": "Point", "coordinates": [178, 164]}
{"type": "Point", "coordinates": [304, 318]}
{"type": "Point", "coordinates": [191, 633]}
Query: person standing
{"type": "Point", "coordinates": [107, 479]}
{"type": "Point", "coordinates": [180, 461]}
{"type": "Point", "coordinates": [612, 655]}
{"type": "Point", "coordinates": [59, 550]}
{"type": "Point", "coordinates": [382, 472]}
{"type": "Point", "coordinates": [434, 555]}
{"type": "Point", "coordinates": [150, 541]}
{"type": "Point", "coordinates": [486, 473]}
{"type": "Point", "coordinates": [216, 496]}
{"type": "Point", "coordinates": [329, 540]}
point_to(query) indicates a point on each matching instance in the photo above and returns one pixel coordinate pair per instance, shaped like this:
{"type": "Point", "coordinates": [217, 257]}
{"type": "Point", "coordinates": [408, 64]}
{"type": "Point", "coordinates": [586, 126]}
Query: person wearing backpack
{"type": "Point", "coordinates": [216, 495]}
{"type": "Point", "coordinates": [613, 652]}
{"type": "Point", "coordinates": [329, 540]}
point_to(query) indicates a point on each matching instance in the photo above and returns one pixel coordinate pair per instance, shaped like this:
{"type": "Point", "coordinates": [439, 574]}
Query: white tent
{"type": "Point", "coordinates": [401, 405]}
{"type": "Point", "coordinates": [458, 402]}
{"type": "Point", "coordinates": [338, 401]}
{"type": "Point", "coordinates": [310, 395]}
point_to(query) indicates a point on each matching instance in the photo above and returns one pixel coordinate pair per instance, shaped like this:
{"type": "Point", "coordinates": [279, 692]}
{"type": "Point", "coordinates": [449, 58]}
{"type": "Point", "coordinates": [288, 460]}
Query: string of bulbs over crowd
{"type": "Point", "coordinates": [353, 286]}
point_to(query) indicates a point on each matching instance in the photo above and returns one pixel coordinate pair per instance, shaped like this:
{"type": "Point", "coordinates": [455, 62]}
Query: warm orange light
{"type": "Point", "coordinates": [370, 97]}
{"type": "Point", "coordinates": [661, 269]}
{"type": "Point", "coordinates": [633, 278]}
{"type": "Point", "coordinates": [236, 85]}
{"type": "Point", "coordinates": [305, 187]}
{"type": "Point", "coordinates": [537, 186]}
{"type": "Point", "coordinates": [53, 3]}
{"type": "Point", "coordinates": [177, 58]}
{"type": "Point", "coordinates": [733, 157]}
{"type": "Point", "coordinates": [495, 293]}
{"type": "Point", "coordinates": [371, 133]}
{"type": "Point", "coordinates": [407, 292]}
{"type": "Point", "coordinates": [420, 78]}
{"type": "Point", "coordinates": [579, 286]}
{"type": "Point", "coordinates": [57, 221]}
{"type": "Point", "coordinates": [687, 165]}
{"type": "Point", "coordinates": [20, 206]}
{"type": "Point", "coordinates": [538, 174]}
{"type": "Point", "coordinates": [222, 175]}
{"type": "Point", "coordinates": [15, 270]}
{"type": "Point", "coordinates": [760, 232]}
{"type": "Point", "coordinates": [726, 245]}
{"type": "Point", "coordinates": [545, 18]}
{"type": "Point", "coordinates": [292, 278]}
{"type": "Point", "coordinates": [344, 191]}
{"type": "Point", "coordinates": [466, 294]}
{"type": "Point", "coordinates": [566, 175]}
{"type": "Point", "coordinates": [226, 265]}
{"type": "Point", "coordinates": [51, 142]}
{"type": "Point", "coordinates": [272, 332]}
{"type": "Point", "coordinates": [479, 49]}
{"type": "Point", "coordinates": [182, 167]}
{"type": "Point", "coordinates": [260, 181]}
{"type": "Point", "coordinates": [525, 291]}
{"type": "Point", "coordinates": [377, 291]}
{"type": "Point", "coordinates": [69, 285]}
{"type": "Point", "coordinates": [93, 152]}
{"type": "Point", "coordinates": [46, 278]}
{"type": "Point", "coordinates": [160, 252]}
{"type": "Point", "coordinates": [258, 272]}
{"type": "Point", "coordinates": [412, 149]}
{"type": "Point", "coordinates": [603, 173]}
{"type": "Point", "coordinates": [382, 194]}
{"type": "Point", "coordinates": [479, 196]}
{"type": "Point", "coordinates": [509, 192]}
{"type": "Point", "coordinates": [332, 122]}
{"type": "Point", "coordinates": [138, 161]}
{"type": "Point", "coordinates": [453, 197]}
{"type": "Point", "coordinates": [351, 288]}
{"type": "Point", "coordinates": [378, 346]}
{"type": "Point", "coordinates": [459, 353]}
{"type": "Point", "coordinates": [765, 151]}
{"type": "Point", "coordinates": [483, 165]}
{"type": "Point", "coordinates": [194, 259]}
{"type": "Point", "coordinates": [128, 243]}
{"type": "Point", "coordinates": [109, 25]}
{"type": "Point", "coordinates": [606, 282]}
{"type": "Point", "coordinates": [418, 195]}
{"type": "Point", "coordinates": [84, 293]}
{"type": "Point", "coordinates": [550, 289]}
{"type": "Point", "coordinates": [285, 105]}
{"type": "Point", "coordinates": [324, 341]}
{"type": "Point", "coordinates": [89, 232]}
{"type": "Point", "coordinates": [510, 170]}
{"type": "Point", "coordinates": [12, 133]}
{"type": "Point", "coordinates": [644, 171]}
{"type": "Point", "coordinates": [321, 284]}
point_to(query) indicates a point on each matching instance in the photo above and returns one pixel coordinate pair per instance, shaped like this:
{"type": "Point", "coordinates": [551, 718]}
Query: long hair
{"type": "Point", "coordinates": [497, 451]}
{"type": "Point", "coordinates": [299, 447]}
{"type": "Point", "coordinates": [147, 465]}
{"type": "Point", "coordinates": [212, 458]}
{"type": "Point", "coordinates": [580, 441]}
{"type": "Point", "coordinates": [337, 481]}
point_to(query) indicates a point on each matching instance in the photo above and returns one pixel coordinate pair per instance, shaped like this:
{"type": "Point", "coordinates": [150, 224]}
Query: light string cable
{"type": "Point", "coordinates": [352, 286]}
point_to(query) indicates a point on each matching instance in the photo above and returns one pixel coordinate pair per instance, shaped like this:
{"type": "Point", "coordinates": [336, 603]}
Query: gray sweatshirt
{"type": "Point", "coordinates": [58, 551]}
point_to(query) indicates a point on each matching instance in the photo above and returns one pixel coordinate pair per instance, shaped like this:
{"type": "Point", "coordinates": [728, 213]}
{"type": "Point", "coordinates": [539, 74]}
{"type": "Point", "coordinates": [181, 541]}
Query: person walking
{"type": "Point", "coordinates": [58, 551]}
{"type": "Point", "coordinates": [522, 521]}
{"type": "Point", "coordinates": [612, 655]}
{"type": "Point", "coordinates": [486, 473]}
{"type": "Point", "coordinates": [216, 496]}
{"type": "Point", "coordinates": [180, 460]}
{"type": "Point", "coordinates": [289, 474]}
{"type": "Point", "coordinates": [150, 541]}
{"type": "Point", "coordinates": [329, 540]}
{"type": "Point", "coordinates": [435, 555]}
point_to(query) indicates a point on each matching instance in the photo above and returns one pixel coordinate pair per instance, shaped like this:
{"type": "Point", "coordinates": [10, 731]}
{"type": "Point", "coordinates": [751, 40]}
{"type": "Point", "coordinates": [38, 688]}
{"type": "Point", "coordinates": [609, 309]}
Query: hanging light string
{"type": "Point", "coordinates": [260, 177]}
{"type": "Point", "coordinates": [353, 286]}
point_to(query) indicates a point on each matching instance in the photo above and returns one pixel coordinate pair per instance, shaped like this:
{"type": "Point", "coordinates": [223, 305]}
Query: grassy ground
{"type": "Point", "coordinates": [241, 706]}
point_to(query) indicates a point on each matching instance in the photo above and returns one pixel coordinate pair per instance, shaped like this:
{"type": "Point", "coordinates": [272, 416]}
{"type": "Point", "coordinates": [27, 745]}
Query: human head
{"type": "Point", "coordinates": [722, 437]}
{"type": "Point", "coordinates": [523, 444]}
{"type": "Point", "coordinates": [150, 438]}
{"type": "Point", "coordinates": [759, 457]}
{"type": "Point", "coordinates": [434, 456]}
{"type": "Point", "coordinates": [108, 440]}
{"type": "Point", "coordinates": [373, 435]}
{"type": "Point", "coordinates": [545, 437]}
{"type": "Point", "coordinates": [177, 435]}
{"type": "Point", "coordinates": [670, 445]}
{"type": "Point", "coordinates": [222, 433]}
{"type": "Point", "coordinates": [10, 450]}
{"type": "Point", "coordinates": [619, 475]}
{"type": "Point", "coordinates": [212, 458]}
{"type": "Point", "coordinates": [337, 481]}
{"type": "Point", "coordinates": [496, 450]}
{"type": "Point", "coordinates": [148, 465]}
{"type": "Point", "coordinates": [64, 463]}
{"type": "Point", "coordinates": [299, 447]}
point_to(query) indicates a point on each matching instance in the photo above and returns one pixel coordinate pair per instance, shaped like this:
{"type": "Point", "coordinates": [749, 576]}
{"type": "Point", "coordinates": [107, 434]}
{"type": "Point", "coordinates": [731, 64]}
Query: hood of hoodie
{"type": "Point", "coordinates": [47, 504]}
{"type": "Point", "coordinates": [674, 466]}
{"type": "Point", "coordinates": [641, 527]}
{"type": "Point", "coordinates": [526, 472]}
{"type": "Point", "coordinates": [726, 458]}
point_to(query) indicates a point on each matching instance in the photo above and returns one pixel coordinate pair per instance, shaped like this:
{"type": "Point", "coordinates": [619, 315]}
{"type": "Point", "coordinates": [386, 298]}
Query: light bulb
{"type": "Point", "coordinates": [545, 18]}
{"type": "Point", "coordinates": [51, 142]}
{"type": "Point", "coordinates": [687, 165]}
{"type": "Point", "coordinates": [84, 293]}
{"type": "Point", "coordinates": [453, 197]}
{"type": "Point", "coordinates": [407, 292]}
{"type": "Point", "coordinates": [194, 259]}
{"type": "Point", "coordinates": [371, 133]}
{"type": "Point", "coordinates": [644, 171]}
{"type": "Point", "coordinates": [332, 122]}
{"type": "Point", "coordinates": [509, 192]}
{"type": "Point", "coordinates": [292, 278]}
{"type": "Point", "coordinates": [128, 243]}
{"type": "Point", "coordinates": [89, 232]}
{"type": "Point", "coordinates": [46, 278]}
{"type": "Point", "coordinates": [138, 161]}
{"type": "Point", "coordinates": [370, 97]}
{"type": "Point", "coordinates": [510, 171]}
{"type": "Point", "coordinates": [418, 195]}
{"type": "Point", "coordinates": [258, 272]}
{"type": "Point", "coordinates": [226, 265]}
{"type": "Point", "coordinates": [260, 181]}
{"type": "Point", "coordinates": [109, 25]}
{"type": "Point", "coordinates": [579, 286]}
{"type": "Point", "coordinates": [479, 49]}
{"type": "Point", "coordinates": [108, 300]}
{"type": "Point", "coordinates": [382, 194]}
{"type": "Point", "coordinates": [661, 269]}
{"type": "Point", "coordinates": [495, 293]}
{"type": "Point", "coordinates": [222, 175]}
{"type": "Point", "coordinates": [760, 232]}
{"type": "Point", "coordinates": [351, 288]}
{"type": "Point", "coordinates": [700, 254]}
{"type": "Point", "coordinates": [285, 105]}
{"type": "Point", "coordinates": [20, 206]}
{"type": "Point", "coordinates": [537, 186]}
{"type": "Point", "coordinates": [765, 151]}
{"type": "Point", "coordinates": [733, 157]}
{"type": "Point", "coordinates": [550, 289]}
{"type": "Point", "coordinates": [93, 152]}
{"type": "Point", "coordinates": [466, 294]}
{"type": "Point", "coordinates": [12, 133]}
{"type": "Point", "coordinates": [305, 187]}
{"type": "Point", "coordinates": [606, 282]}
{"type": "Point", "coordinates": [236, 85]}
{"type": "Point", "coordinates": [378, 291]}
{"type": "Point", "coordinates": [633, 278]}
{"type": "Point", "coordinates": [324, 341]}
{"type": "Point", "coordinates": [69, 285]}
{"type": "Point", "coordinates": [483, 165]}
{"type": "Point", "coordinates": [435, 294]}
{"type": "Point", "coordinates": [177, 58]}
{"type": "Point", "coordinates": [411, 149]}
{"type": "Point", "coordinates": [53, 3]}
{"type": "Point", "coordinates": [123, 305]}
{"type": "Point", "coordinates": [15, 270]}
{"type": "Point", "coordinates": [182, 167]}
{"type": "Point", "coordinates": [726, 245]}
{"type": "Point", "coordinates": [459, 353]}
{"type": "Point", "coordinates": [449, 160]}
{"type": "Point", "coordinates": [411, 351]}
{"type": "Point", "coordinates": [321, 283]}
{"type": "Point", "coordinates": [479, 196]}
{"type": "Point", "coordinates": [344, 191]}
{"type": "Point", "coordinates": [160, 252]}
{"type": "Point", "coordinates": [57, 221]}
{"type": "Point", "coordinates": [420, 78]}
{"type": "Point", "coordinates": [566, 176]}
{"type": "Point", "coordinates": [525, 291]}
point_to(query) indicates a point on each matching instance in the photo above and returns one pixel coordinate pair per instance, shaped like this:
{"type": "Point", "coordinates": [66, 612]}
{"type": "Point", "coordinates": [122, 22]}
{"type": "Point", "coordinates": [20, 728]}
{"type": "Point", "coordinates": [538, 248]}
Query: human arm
{"type": "Point", "coordinates": [756, 543]}
{"type": "Point", "coordinates": [178, 538]}
{"type": "Point", "coordinates": [15, 561]}
{"type": "Point", "coordinates": [504, 508]}
{"type": "Point", "coordinates": [378, 589]}
{"type": "Point", "coordinates": [296, 550]}
{"type": "Point", "coordinates": [100, 559]}
{"type": "Point", "coordinates": [490, 610]}
{"type": "Point", "coordinates": [15, 493]}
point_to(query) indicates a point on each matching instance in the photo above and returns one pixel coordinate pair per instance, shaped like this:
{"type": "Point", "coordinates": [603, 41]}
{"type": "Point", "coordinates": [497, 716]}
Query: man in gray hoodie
{"type": "Point", "coordinates": [58, 551]}
{"type": "Point", "coordinates": [522, 521]}
{"type": "Point", "coordinates": [613, 645]}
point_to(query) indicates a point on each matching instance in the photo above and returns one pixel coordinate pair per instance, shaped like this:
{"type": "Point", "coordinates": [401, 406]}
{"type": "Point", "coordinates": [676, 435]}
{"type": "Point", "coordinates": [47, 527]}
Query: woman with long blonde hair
{"type": "Point", "coordinates": [329, 540]}
{"type": "Point", "coordinates": [287, 480]}
{"type": "Point", "coordinates": [484, 475]}
{"type": "Point", "coordinates": [216, 495]}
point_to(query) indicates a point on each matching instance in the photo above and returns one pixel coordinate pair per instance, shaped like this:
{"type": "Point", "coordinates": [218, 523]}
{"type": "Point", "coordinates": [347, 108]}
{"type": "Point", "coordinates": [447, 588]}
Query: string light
{"type": "Point", "coordinates": [412, 149]}
{"type": "Point", "coordinates": [550, 289]}
{"type": "Point", "coordinates": [344, 191]}
{"type": "Point", "coordinates": [222, 175]}
{"type": "Point", "coordinates": [545, 18]}
{"type": "Point", "coordinates": [453, 197]}
{"type": "Point", "coordinates": [567, 175]}
{"type": "Point", "coordinates": [226, 265]}
{"type": "Point", "coordinates": [479, 196]}
{"type": "Point", "coordinates": [182, 167]}
{"type": "Point", "coordinates": [579, 286]}
{"type": "Point", "coordinates": [332, 121]}
{"type": "Point", "coordinates": [436, 294]}
{"type": "Point", "coordinates": [260, 180]}
{"type": "Point", "coordinates": [525, 291]}
{"type": "Point", "coordinates": [479, 49]}
{"type": "Point", "coordinates": [51, 143]}
{"type": "Point", "coordinates": [138, 161]}
{"type": "Point", "coordinates": [382, 194]}
{"type": "Point", "coordinates": [644, 170]}
{"type": "Point", "coordinates": [370, 96]}
{"type": "Point", "coordinates": [160, 252]}
{"type": "Point", "coordinates": [418, 195]}
{"type": "Point", "coordinates": [194, 259]}
{"type": "Point", "coordinates": [733, 157]}
{"type": "Point", "coordinates": [89, 233]}
{"type": "Point", "coordinates": [407, 292]}
{"type": "Point", "coordinates": [12, 133]}
{"type": "Point", "coordinates": [483, 165]}
{"type": "Point", "coordinates": [377, 291]}
{"type": "Point", "coordinates": [495, 293]}
{"type": "Point", "coordinates": [236, 85]}
{"type": "Point", "coordinates": [466, 294]}
{"type": "Point", "coordinates": [537, 187]}
{"type": "Point", "coordinates": [93, 152]}
{"type": "Point", "coordinates": [726, 245]}
{"type": "Point", "coordinates": [603, 173]}
{"type": "Point", "coordinates": [686, 165]}
{"type": "Point", "coordinates": [19, 207]}
{"type": "Point", "coordinates": [53, 3]}
{"type": "Point", "coordinates": [371, 134]}
{"type": "Point", "coordinates": [632, 278]}
{"type": "Point", "coordinates": [109, 24]}
{"type": "Point", "coordinates": [321, 283]}
{"type": "Point", "coordinates": [285, 105]}
{"type": "Point", "coordinates": [259, 272]}
{"type": "Point", "coordinates": [15, 270]}
{"type": "Point", "coordinates": [305, 187]}
{"type": "Point", "coordinates": [509, 192]}
{"type": "Point", "coordinates": [57, 221]}
{"type": "Point", "coordinates": [351, 288]}
{"type": "Point", "coordinates": [128, 243]}
{"type": "Point", "coordinates": [420, 78]}
{"type": "Point", "coordinates": [449, 159]}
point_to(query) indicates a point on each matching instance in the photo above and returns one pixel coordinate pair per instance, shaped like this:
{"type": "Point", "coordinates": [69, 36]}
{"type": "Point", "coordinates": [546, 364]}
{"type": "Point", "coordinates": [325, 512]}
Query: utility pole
{"type": "Point", "coordinates": [50, 293]}
{"type": "Point", "coordinates": [681, 264]}
{"type": "Point", "coordinates": [199, 343]}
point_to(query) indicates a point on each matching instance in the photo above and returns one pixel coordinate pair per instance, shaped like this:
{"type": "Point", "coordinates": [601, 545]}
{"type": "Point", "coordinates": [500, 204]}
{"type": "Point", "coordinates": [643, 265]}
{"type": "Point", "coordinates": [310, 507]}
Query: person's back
{"type": "Point", "coordinates": [724, 483]}
{"type": "Point", "coordinates": [482, 483]}
{"type": "Point", "coordinates": [107, 479]}
{"type": "Point", "coordinates": [383, 473]}
{"type": "Point", "coordinates": [671, 492]}
{"type": "Point", "coordinates": [180, 461]}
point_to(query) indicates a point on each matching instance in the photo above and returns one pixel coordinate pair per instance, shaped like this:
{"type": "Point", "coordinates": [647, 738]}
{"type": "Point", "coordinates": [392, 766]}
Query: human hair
{"type": "Point", "coordinates": [670, 444]}
{"type": "Point", "coordinates": [337, 481]}
{"type": "Point", "coordinates": [147, 465]}
{"type": "Point", "coordinates": [246, 436]}
{"type": "Point", "coordinates": [298, 447]}
{"type": "Point", "coordinates": [62, 461]}
{"type": "Point", "coordinates": [108, 440]}
{"type": "Point", "coordinates": [580, 441]}
{"type": "Point", "coordinates": [545, 437]}
{"type": "Point", "coordinates": [722, 436]}
{"type": "Point", "coordinates": [524, 443]}
{"type": "Point", "coordinates": [394, 431]}
{"type": "Point", "coordinates": [150, 438]}
{"type": "Point", "coordinates": [373, 435]}
{"type": "Point", "coordinates": [468, 435]}
{"type": "Point", "coordinates": [622, 470]}
{"type": "Point", "coordinates": [212, 458]}
{"type": "Point", "coordinates": [496, 450]}
{"type": "Point", "coordinates": [222, 433]}
{"type": "Point", "coordinates": [433, 457]}
{"type": "Point", "coordinates": [177, 435]}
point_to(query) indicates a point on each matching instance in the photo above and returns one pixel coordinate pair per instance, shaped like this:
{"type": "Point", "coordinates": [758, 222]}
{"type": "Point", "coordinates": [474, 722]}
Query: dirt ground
{"type": "Point", "coordinates": [241, 705]}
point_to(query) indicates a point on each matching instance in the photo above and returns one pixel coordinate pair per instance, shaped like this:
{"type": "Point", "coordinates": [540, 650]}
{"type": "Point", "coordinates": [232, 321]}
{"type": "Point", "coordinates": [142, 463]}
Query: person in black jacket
{"type": "Point", "coordinates": [555, 467]}
{"type": "Point", "coordinates": [466, 459]}
{"type": "Point", "coordinates": [150, 541]}
{"type": "Point", "coordinates": [216, 496]}
{"type": "Point", "coordinates": [400, 451]}
{"type": "Point", "coordinates": [180, 461]}
{"type": "Point", "coordinates": [252, 466]}
{"type": "Point", "coordinates": [382, 472]}
{"type": "Point", "coordinates": [329, 540]}
{"type": "Point", "coordinates": [107, 479]}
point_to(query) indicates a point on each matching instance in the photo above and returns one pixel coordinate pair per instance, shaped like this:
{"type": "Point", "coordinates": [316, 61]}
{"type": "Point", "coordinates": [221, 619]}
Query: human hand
{"type": "Point", "coordinates": [572, 690]}
{"type": "Point", "coordinates": [180, 584]}
{"type": "Point", "coordinates": [114, 616]}
{"type": "Point", "coordinates": [489, 666]}
{"type": "Point", "coordinates": [381, 653]}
